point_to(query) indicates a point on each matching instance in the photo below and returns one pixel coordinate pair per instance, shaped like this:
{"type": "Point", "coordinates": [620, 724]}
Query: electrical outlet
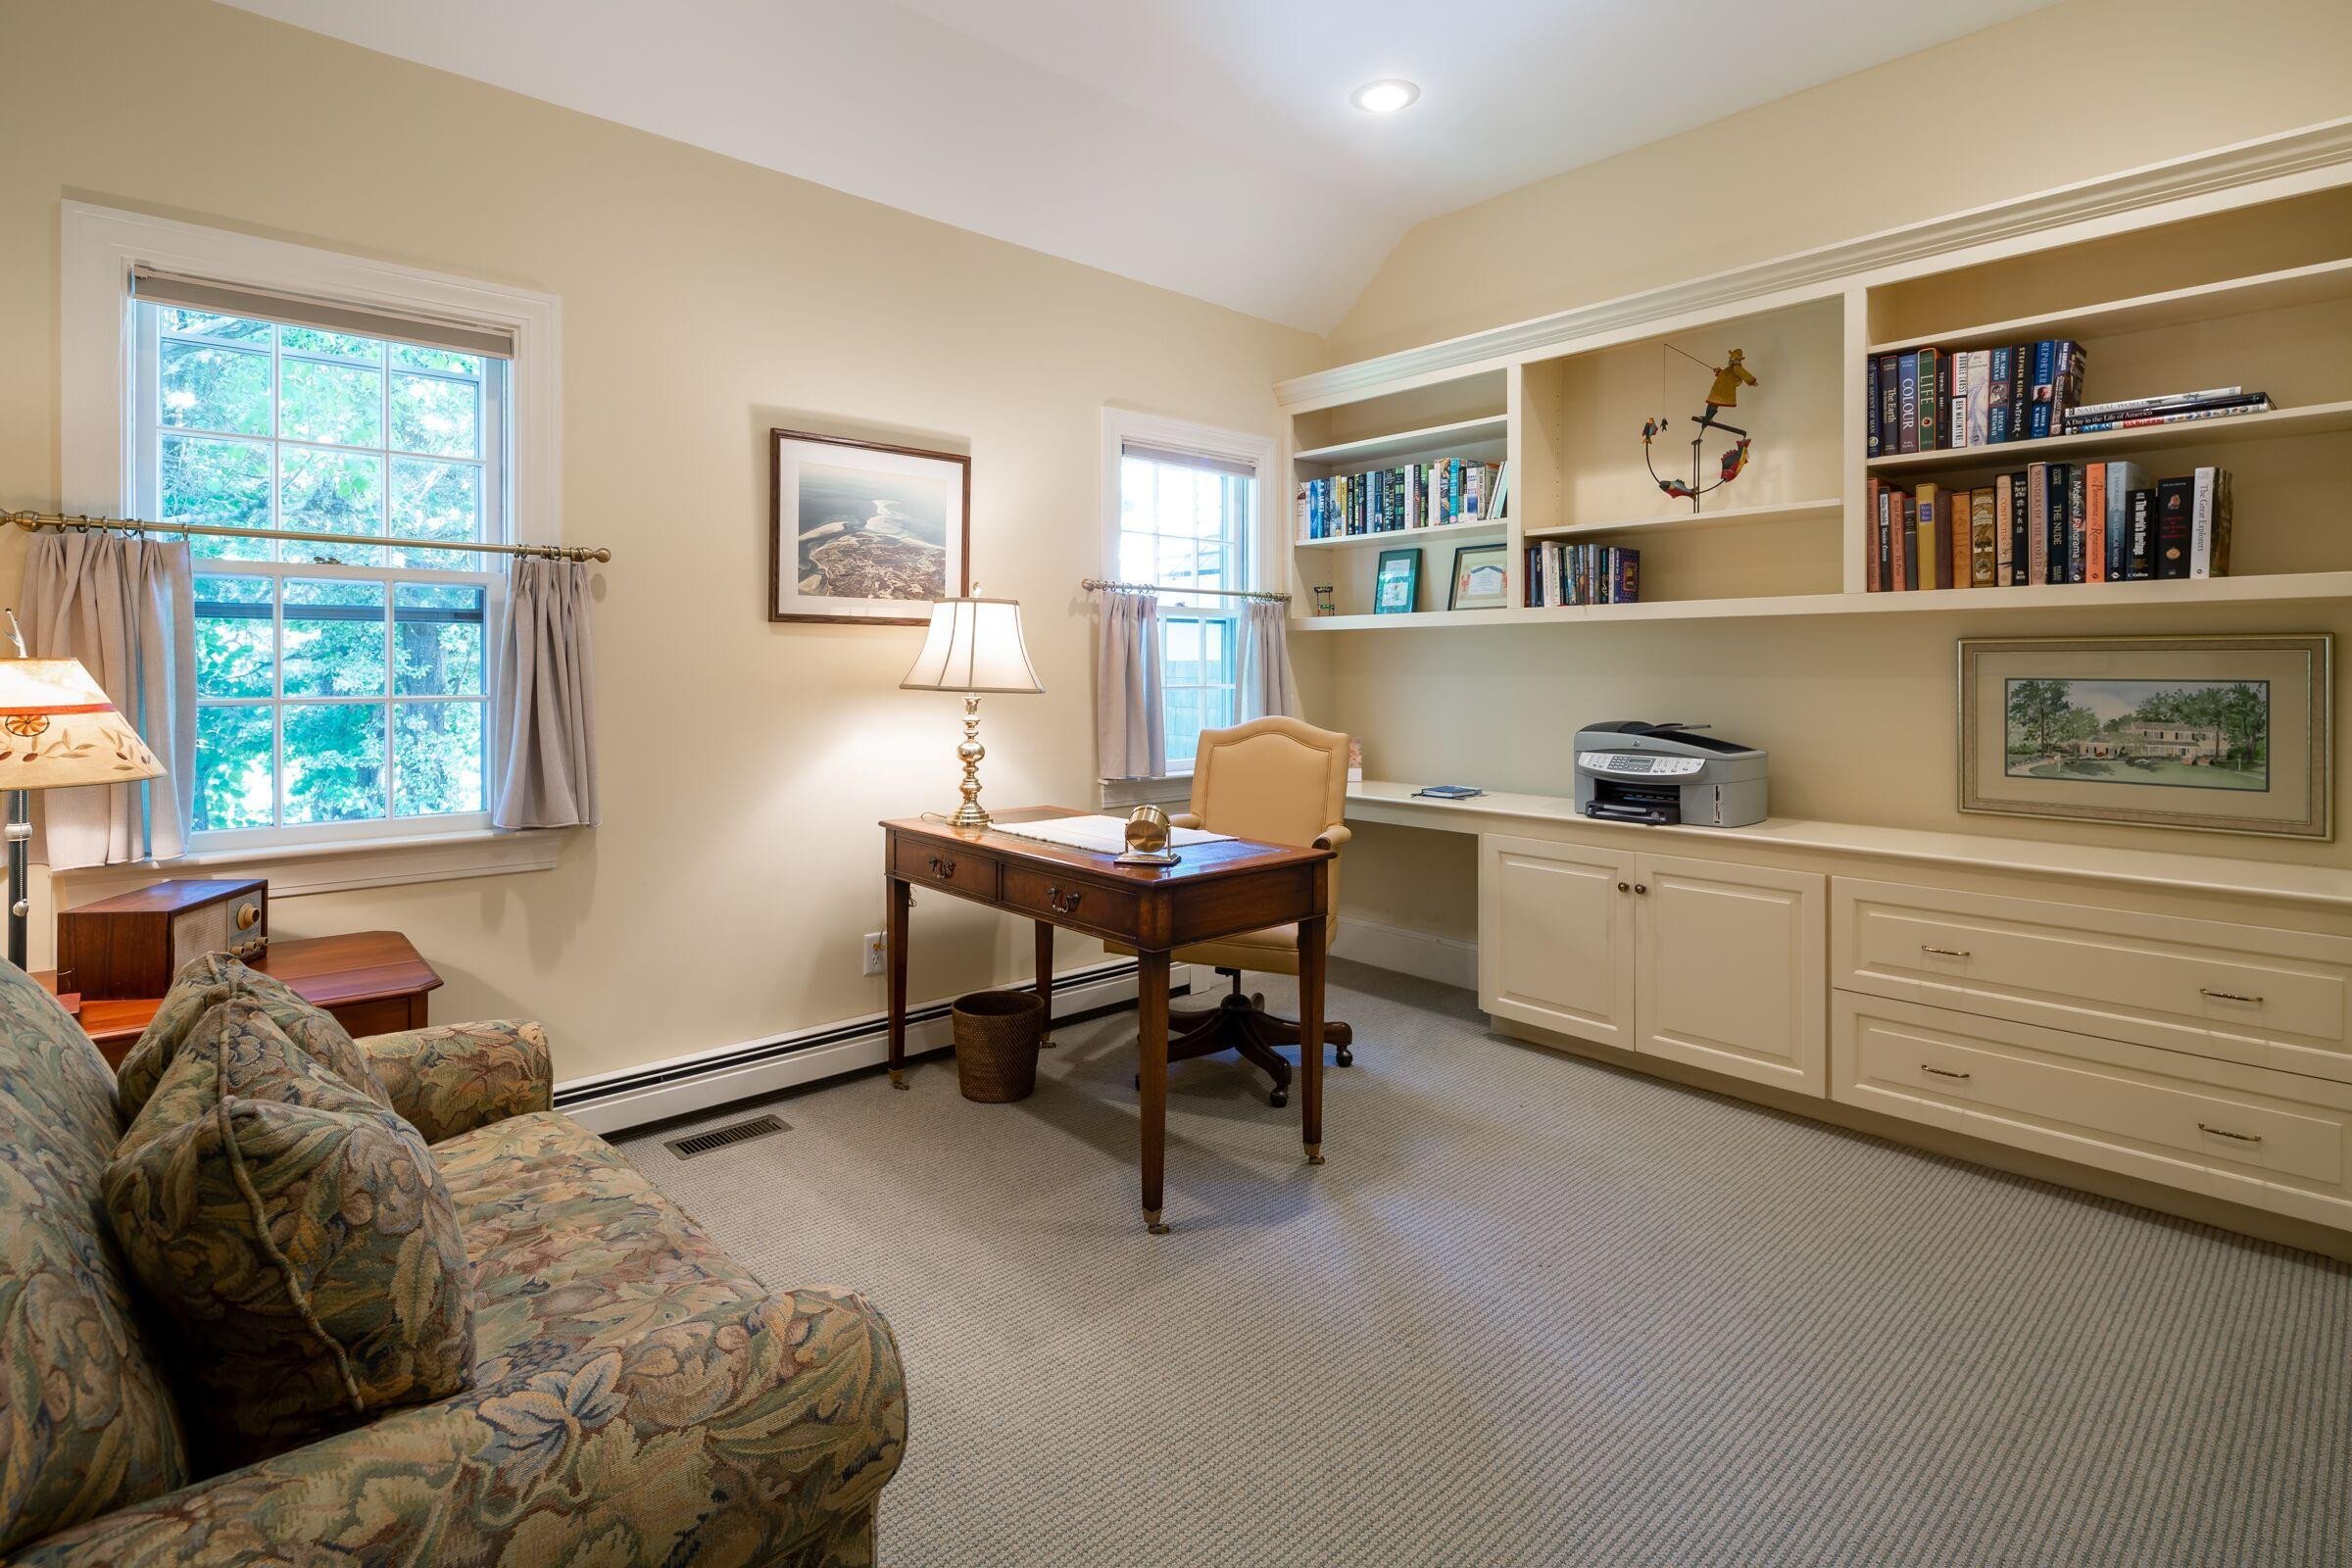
{"type": "Point", "coordinates": [874, 953]}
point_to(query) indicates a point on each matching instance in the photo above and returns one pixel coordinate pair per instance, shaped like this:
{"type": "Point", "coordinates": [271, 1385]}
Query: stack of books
{"type": "Point", "coordinates": [1562, 574]}
{"type": "Point", "coordinates": [1935, 399]}
{"type": "Point", "coordinates": [2048, 523]}
{"type": "Point", "coordinates": [2170, 407]}
{"type": "Point", "coordinates": [1418, 494]}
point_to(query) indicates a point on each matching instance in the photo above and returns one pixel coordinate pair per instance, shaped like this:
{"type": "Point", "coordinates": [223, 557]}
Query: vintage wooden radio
{"type": "Point", "coordinates": [130, 946]}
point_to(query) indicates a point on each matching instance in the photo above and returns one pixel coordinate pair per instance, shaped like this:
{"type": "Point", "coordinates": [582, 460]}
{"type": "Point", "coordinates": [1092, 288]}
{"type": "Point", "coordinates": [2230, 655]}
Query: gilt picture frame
{"type": "Point", "coordinates": [864, 531]}
{"type": "Point", "coordinates": [2215, 734]}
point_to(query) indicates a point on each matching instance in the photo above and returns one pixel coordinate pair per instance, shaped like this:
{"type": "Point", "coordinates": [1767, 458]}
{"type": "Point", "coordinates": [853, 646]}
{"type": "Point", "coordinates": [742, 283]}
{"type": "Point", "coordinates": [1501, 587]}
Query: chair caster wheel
{"type": "Point", "coordinates": [1279, 1099]}
{"type": "Point", "coordinates": [1346, 1057]}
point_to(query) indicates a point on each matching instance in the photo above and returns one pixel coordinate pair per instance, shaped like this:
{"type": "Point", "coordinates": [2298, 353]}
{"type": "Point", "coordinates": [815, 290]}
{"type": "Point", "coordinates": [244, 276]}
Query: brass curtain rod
{"type": "Point", "coordinates": [36, 521]}
{"type": "Point", "coordinates": [1161, 588]}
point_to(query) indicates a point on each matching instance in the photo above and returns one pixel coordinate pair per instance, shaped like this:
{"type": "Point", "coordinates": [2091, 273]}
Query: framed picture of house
{"type": "Point", "coordinates": [1396, 585]}
{"type": "Point", "coordinates": [2219, 734]}
{"type": "Point", "coordinates": [864, 531]}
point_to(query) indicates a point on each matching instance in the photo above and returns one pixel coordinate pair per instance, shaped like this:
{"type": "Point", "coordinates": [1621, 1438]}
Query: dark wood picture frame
{"type": "Point", "coordinates": [960, 584]}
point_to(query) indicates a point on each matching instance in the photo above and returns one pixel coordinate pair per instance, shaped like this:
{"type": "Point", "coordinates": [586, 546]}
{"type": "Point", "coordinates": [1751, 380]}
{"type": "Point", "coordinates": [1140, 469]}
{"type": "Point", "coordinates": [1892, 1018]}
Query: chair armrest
{"type": "Point", "coordinates": [1334, 837]}
{"type": "Point", "coordinates": [452, 1078]}
{"type": "Point", "coordinates": [757, 1432]}
{"type": "Point", "coordinates": [1184, 819]}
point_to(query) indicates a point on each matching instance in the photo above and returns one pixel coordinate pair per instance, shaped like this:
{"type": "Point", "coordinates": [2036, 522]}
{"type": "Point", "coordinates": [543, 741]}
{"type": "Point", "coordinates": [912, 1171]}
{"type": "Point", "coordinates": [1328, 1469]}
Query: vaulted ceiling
{"type": "Point", "coordinates": [1206, 146]}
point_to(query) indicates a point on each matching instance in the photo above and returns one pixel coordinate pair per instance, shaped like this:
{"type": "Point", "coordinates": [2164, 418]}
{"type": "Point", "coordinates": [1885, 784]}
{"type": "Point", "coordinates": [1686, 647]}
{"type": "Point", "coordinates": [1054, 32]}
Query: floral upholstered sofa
{"type": "Point", "coordinates": [637, 1398]}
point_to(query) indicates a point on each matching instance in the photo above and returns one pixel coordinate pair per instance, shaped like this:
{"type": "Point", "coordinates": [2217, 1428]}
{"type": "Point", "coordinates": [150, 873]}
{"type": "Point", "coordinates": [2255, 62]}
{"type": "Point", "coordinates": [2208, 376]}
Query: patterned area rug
{"type": "Point", "coordinates": [1534, 1311]}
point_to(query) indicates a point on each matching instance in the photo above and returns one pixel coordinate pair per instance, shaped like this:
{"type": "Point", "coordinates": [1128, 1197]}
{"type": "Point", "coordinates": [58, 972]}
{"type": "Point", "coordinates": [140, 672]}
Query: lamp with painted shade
{"type": "Point", "coordinates": [58, 730]}
{"type": "Point", "coordinates": [974, 646]}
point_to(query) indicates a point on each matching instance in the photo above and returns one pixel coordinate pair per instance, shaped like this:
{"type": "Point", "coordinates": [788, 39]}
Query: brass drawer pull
{"type": "Point", "coordinates": [1061, 903]}
{"type": "Point", "coordinates": [1944, 953]}
{"type": "Point", "coordinates": [942, 867]}
{"type": "Point", "coordinates": [2224, 1132]}
{"type": "Point", "coordinates": [1942, 1072]}
{"type": "Point", "coordinates": [2229, 996]}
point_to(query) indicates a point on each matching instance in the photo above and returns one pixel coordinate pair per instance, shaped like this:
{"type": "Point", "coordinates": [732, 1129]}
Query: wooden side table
{"type": "Point", "coordinates": [373, 981]}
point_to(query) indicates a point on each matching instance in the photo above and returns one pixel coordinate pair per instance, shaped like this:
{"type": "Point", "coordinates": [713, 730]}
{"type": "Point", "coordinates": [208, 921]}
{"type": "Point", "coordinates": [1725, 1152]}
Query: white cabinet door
{"type": "Point", "coordinates": [1731, 971]}
{"type": "Point", "coordinates": [1556, 928]}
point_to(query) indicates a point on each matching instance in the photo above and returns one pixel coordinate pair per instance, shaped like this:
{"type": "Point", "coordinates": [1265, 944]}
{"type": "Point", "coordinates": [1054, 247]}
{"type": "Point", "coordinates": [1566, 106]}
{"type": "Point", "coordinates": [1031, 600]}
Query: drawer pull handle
{"type": "Point", "coordinates": [1061, 903]}
{"type": "Point", "coordinates": [2224, 1132]}
{"type": "Point", "coordinates": [1942, 1072]}
{"type": "Point", "coordinates": [2229, 996]}
{"type": "Point", "coordinates": [1944, 953]}
{"type": "Point", "coordinates": [941, 868]}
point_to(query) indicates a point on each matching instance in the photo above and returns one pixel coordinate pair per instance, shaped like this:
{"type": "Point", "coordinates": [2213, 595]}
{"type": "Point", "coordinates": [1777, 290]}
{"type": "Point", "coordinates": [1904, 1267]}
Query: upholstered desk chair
{"type": "Point", "coordinates": [1280, 781]}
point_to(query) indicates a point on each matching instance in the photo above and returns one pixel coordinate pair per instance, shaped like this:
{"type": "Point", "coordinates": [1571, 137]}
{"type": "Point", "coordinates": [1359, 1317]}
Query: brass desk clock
{"type": "Point", "coordinates": [1147, 836]}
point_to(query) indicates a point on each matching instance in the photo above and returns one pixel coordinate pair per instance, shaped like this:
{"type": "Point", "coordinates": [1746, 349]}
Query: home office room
{"type": "Point", "coordinates": [1046, 784]}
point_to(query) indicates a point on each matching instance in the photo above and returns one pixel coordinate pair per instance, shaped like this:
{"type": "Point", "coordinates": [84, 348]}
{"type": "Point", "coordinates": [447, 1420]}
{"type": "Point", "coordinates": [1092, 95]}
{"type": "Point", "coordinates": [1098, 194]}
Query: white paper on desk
{"type": "Point", "coordinates": [1101, 835]}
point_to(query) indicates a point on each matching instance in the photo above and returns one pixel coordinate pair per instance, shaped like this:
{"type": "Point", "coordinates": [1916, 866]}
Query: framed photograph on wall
{"type": "Point", "coordinates": [2220, 734]}
{"type": "Point", "coordinates": [1482, 577]}
{"type": "Point", "coordinates": [1396, 584]}
{"type": "Point", "coordinates": [864, 531]}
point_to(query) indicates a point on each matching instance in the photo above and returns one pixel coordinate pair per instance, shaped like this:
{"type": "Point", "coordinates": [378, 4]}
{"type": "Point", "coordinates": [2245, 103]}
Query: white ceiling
{"type": "Point", "coordinates": [1206, 146]}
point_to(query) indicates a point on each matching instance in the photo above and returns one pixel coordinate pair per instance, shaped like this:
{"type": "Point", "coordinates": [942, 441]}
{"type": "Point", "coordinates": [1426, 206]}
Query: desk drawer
{"type": "Point", "coordinates": [2236, 993]}
{"type": "Point", "coordinates": [2269, 1140]}
{"type": "Point", "coordinates": [1080, 905]}
{"type": "Point", "coordinates": [966, 871]}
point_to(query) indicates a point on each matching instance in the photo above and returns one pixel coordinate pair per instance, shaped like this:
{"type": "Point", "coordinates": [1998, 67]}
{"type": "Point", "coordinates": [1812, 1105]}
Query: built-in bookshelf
{"type": "Point", "coordinates": [2235, 284]}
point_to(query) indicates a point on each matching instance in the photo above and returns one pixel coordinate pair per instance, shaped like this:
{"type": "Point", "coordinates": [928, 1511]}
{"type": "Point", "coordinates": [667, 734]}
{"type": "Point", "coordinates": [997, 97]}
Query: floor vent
{"type": "Point", "coordinates": [740, 1132]}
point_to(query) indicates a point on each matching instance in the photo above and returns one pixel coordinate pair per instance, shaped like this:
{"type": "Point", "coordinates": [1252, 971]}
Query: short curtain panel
{"type": "Point", "coordinates": [1130, 727]}
{"type": "Point", "coordinates": [1268, 688]}
{"type": "Point", "coordinates": [548, 679]}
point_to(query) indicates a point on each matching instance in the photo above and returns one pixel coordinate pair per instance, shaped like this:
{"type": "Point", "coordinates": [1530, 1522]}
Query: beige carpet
{"type": "Point", "coordinates": [1534, 1311]}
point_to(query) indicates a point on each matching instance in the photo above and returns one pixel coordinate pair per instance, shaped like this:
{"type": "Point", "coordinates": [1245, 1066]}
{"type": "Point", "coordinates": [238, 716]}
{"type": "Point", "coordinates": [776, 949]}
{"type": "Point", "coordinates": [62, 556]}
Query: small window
{"type": "Point", "coordinates": [1185, 523]}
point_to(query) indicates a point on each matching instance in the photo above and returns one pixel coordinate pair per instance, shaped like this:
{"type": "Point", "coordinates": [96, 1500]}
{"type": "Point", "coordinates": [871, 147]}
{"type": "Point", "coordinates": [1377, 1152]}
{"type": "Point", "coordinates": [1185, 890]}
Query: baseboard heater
{"type": "Point", "coordinates": [691, 1085]}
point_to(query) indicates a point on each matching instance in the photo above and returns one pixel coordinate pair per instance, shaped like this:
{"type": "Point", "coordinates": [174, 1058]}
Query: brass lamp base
{"type": "Point", "coordinates": [969, 815]}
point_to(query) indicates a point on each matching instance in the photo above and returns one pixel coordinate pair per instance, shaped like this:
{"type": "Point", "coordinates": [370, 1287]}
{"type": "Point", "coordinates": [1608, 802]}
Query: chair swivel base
{"type": "Point", "coordinates": [1241, 1024]}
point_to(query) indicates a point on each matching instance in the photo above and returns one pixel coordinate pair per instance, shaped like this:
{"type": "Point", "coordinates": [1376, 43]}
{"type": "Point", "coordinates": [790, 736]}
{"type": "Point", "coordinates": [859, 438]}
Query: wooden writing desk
{"type": "Point", "coordinates": [372, 981]}
{"type": "Point", "coordinates": [1217, 890]}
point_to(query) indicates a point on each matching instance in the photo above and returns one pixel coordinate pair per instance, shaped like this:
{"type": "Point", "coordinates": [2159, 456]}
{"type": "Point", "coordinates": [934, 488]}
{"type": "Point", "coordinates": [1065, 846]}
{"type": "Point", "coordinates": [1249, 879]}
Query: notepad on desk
{"type": "Point", "coordinates": [1100, 835]}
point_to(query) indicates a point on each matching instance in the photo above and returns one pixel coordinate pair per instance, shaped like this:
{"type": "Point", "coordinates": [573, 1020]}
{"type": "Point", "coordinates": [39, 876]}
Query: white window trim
{"type": "Point", "coordinates": [98, 249]}
{"type": "Point", "coordinates": [1266, 543]}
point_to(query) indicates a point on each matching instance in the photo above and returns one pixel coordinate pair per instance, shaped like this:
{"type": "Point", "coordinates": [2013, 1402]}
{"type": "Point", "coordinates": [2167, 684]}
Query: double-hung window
{"type": "Point", "coordinates": [342, 689]}
{"type": "Point", "coordinates": [1187, 510]}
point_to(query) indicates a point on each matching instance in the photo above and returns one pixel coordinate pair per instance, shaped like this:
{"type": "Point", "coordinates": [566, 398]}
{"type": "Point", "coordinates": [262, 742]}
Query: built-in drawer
{"type": "Point", "coordinates": [2238, 993]}
{"type": "Point", "coordinates": [2268, 1140]}
{"type": "Point", "coordinates": [948, 867]}
{"type": "Point", "coordinates": [1082, 905]}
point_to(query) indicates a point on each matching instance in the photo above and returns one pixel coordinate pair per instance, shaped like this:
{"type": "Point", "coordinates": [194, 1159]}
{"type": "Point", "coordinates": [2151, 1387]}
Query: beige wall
{"type": "Point", "coordinates": [703, 301]}
{"type": "Point", "coordinates": [2080, 89]}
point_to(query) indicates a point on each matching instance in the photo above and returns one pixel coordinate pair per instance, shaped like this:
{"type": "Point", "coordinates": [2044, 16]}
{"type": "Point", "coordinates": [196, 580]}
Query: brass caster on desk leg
{"type": "Point", "coordinates": [1314, 1154]}
{"type": "Point", "coordinates": [1044, 1043]}
{"type": "Point", "coordinates": [1151, 1222]}
{"type": "Point", "coordinates": [897, 1080]}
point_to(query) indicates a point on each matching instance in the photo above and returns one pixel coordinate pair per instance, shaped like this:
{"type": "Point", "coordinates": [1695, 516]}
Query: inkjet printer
{"type": "Point", "coordinates": [1632, 771]}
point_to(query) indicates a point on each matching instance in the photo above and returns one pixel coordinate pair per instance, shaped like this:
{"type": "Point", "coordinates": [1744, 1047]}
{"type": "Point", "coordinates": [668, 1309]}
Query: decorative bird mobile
{"type": "Point", "coordinates": [1721, 393]}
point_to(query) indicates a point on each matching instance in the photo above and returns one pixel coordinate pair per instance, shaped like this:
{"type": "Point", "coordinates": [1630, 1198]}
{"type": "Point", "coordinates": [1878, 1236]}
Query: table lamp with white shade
{"type": "Point", "coordinates": [974, 646]}
{"type": "Point", "coordinates": [58, 730]}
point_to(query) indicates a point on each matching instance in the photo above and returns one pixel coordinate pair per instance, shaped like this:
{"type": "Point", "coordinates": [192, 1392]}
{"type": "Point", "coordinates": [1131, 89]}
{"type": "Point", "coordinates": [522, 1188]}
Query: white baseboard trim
{"type": "Point", "coordinates": [1449, 960]}
{"type": "Point", "coordinates": [614, 1101]}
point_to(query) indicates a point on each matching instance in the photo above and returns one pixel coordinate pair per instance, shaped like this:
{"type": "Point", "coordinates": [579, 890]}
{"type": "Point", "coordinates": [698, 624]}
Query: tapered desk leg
{"type": "Point", "coordinates": [896, 896]}
{"type": "Point", "coordinates": [1152, 1054]}
{"type": "Point", "coordinates": [1045, 979]}
{"type": "Point", "coordinates": [1312, 963]}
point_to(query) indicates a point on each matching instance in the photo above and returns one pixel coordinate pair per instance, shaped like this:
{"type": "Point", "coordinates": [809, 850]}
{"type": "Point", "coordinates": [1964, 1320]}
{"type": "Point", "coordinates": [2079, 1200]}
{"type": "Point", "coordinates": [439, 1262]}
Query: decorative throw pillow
{"type": "Point", "coordinates": [204, 982]}
{"type": "Point", "coordinates": [296, 1238]}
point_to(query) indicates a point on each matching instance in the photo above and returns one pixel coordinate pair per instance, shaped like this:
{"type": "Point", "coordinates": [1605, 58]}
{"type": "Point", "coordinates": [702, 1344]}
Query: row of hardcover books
{"type": "Point", "coordinates": [1933, 400]}
{"type": "Point", "coordinates": [2049, 522]}
{"type": "Point", "coordinates": [1418, 494]}
{"type": "Point", "coordinates": [1561, 574]}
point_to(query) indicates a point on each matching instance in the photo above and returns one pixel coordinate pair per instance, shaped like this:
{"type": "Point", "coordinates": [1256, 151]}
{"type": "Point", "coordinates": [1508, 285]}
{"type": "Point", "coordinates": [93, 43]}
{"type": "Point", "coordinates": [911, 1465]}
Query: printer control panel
{"type": "Point", "coordinates": [1644, 763]}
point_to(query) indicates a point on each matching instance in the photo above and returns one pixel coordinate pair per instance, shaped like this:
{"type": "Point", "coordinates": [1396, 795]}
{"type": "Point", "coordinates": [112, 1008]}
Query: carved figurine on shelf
{"type": "Point", "coordinates": [1721, 393]}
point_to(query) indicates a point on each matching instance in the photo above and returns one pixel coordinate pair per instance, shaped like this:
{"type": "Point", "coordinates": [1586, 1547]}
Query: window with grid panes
{"type": "Point", "coordinates": [342, 689]}
{"type": "Point", "coordinates": [1184, 525]}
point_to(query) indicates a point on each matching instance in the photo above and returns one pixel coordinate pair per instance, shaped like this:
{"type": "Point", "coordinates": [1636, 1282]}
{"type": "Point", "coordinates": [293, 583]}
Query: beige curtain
{"type": "Point", "coordinates": [547, 680]}
{"type": "Point", "coordinates": [125, 608]}
{"type": "Point", "coordinates": [1268, 689]}
{"type": "Point", "coordinates": [1131, 732]}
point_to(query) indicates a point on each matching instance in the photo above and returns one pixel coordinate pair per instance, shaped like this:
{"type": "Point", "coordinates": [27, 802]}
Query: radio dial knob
{"type": "Point", "coordinates": [248, 915]}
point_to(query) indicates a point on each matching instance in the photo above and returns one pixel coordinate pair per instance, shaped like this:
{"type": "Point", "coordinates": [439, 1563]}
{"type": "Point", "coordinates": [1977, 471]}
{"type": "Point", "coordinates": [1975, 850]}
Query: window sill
{"type": "Point", "coordinates": [297, 869]}
{"type": "Point", "coordinates": [1174, 788]}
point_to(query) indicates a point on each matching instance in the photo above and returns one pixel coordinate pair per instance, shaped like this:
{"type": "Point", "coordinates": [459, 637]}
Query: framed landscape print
{"type": "Point", "coordinates": [1396, 586]}
{"type": "Point", "coordinates": [2224, 734]}
{"type": "Point", "coordinates": [863, 531]}
{"type": "Point", "coordinates": [1481, 577]}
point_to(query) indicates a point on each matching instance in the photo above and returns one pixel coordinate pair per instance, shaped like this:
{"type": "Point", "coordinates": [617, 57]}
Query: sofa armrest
{"type": "Point", "coordinates": [452, 1078]}
{"type": "Point", "coordinates": [757, 1432]}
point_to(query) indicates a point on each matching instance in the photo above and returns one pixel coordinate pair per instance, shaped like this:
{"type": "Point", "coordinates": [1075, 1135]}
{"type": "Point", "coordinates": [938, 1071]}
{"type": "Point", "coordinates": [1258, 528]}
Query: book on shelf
{"type": "Point", "coordinates": [1957, 399]}
{"type": "Point", "coordinates": [1415, 495]}
{"type": "Point", "coordinates": [1560, 575]}
{"type": "Point", "coordinates": [2214, 406]}
{"type": "Point", "coordinates": [2048, 524]}
{"type": "Point", "coordinates": [1870, 405]}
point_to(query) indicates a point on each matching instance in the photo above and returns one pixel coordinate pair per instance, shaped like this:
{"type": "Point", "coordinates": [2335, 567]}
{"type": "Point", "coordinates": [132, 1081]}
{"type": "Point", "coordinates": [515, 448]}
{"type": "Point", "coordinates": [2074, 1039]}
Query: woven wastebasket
{"type": "Point", "coordinates": [996, 1045]}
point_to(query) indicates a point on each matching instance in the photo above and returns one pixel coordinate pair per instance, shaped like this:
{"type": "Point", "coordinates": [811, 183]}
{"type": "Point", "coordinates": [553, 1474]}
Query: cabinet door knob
{"type": "Point", "coordinates": [1625, 887]}
{"type": "Point", "coordinates": [2229, 996]}
{"type": "Point", "coordinates": [1942, 1072]}
{"type": "Point", "coordinates": [1641, 887]}
{"type": "Point", "coordinates": [2224, 1132]}
{"type": "Point", "coordinates": [1944, 953]}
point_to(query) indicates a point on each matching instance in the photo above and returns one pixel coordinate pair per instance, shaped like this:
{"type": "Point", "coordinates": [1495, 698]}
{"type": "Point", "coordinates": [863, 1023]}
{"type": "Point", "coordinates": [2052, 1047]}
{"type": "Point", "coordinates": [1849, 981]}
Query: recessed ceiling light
{"type": "Point", "coordinates": [1384, 97]}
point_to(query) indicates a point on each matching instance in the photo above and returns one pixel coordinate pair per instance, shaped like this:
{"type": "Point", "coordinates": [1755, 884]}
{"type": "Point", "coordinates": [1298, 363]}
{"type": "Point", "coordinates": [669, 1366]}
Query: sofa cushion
{"type": "Point", "coordinates": [203, 982]}
{"type": "Point", "coordinates": [571, 1246]}
{"type": "Point", "coordinates": [295, 1237]}
{"type": "Point", "coordinates": [86, 1417]}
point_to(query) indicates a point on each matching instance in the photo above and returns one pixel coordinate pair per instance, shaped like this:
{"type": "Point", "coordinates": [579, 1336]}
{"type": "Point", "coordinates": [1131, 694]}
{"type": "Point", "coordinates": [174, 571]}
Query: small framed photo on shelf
{"type": "Point", "coordinates": [1396, 585]}
{"type": "Point", "coordinates": [1481, 577]}
{"type": "Point", "coordinates": [2222, 734]}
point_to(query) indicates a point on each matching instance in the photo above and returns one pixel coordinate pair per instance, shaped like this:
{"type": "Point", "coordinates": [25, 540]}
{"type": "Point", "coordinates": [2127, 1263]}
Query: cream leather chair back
{"type": "Point", "coordinates": [1281, 780]}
